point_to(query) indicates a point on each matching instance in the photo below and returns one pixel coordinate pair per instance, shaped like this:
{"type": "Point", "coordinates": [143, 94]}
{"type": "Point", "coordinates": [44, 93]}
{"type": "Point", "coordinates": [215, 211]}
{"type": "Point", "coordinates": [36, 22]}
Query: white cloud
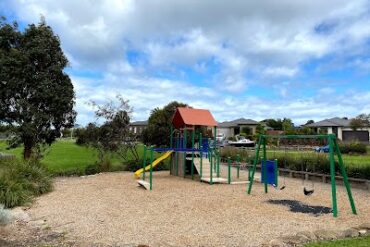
{"type": "Point", "coordinates": [249, 42]}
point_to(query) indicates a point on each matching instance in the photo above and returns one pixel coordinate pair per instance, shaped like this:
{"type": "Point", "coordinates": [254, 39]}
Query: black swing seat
{"type": "Point", "coordinates": [308, 192]}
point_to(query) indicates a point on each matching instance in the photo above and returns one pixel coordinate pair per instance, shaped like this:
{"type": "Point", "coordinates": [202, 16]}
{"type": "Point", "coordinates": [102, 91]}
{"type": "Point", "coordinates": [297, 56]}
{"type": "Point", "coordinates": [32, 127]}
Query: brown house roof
{"type": "Point", "coordinates": [190, 117]}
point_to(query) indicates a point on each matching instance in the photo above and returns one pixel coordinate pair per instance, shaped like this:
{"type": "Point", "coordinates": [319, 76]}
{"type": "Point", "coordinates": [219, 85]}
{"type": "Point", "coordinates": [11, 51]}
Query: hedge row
{"type": "Point", "coordinates": [311, 162]}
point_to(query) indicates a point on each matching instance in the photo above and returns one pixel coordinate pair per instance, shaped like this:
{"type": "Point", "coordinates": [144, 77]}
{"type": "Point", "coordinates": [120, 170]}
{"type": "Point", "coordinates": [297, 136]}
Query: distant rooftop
{"type": "Point", "coordinates": [238, 122]}
{"type": "Point", "coordinates": [140, 123]}
{"type": "Point", "coordinates": [331, 122]}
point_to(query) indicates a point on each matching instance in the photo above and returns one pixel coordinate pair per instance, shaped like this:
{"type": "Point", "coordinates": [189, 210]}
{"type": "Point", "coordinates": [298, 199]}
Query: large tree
{"type": "Point", "coordinates": [36, 95]}
{"type": "Point", "coordinates": [159, 125]}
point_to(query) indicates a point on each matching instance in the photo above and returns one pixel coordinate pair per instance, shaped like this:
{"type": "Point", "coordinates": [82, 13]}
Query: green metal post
{"type": "Point", "coordinates": [345, 177]}
{"type": "Point", "coordinates": [255, 164]}
{"type": "Point", "coordinates": [276, 173]}
{"type": "Point", "coordinates": [218, 165]}
{"type": "Point", "coordinates": [211, 169]}
{"type": "Point", "coordinates": [192, 152]}
{"type": "Point", "coordinates": [201, 155]}
{"type": "Point", "coordinates": [228, 170]}
{"type": "Point", "coordinates": [144, 162]}
{"type": "Point", "coordinates": [264, 162]}
{"type": "Point", "coordinates": [177, 155]}
{"type": "Point", "coordinates": [238, 165]}
{"type": "Point", "coordinates": [332, 177]}
{"type": "Point", "coordinates": [214, 138]}
{"type": "Point", "coordinates": [151, 169]}
{"type": "Point", "coordinates": [185, 140]}
{"type": "Point", "coordinates": [171, 136]}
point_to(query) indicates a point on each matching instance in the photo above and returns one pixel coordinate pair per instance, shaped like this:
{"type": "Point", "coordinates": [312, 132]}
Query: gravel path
{"type": "Point", "coordinates": [110, 209]}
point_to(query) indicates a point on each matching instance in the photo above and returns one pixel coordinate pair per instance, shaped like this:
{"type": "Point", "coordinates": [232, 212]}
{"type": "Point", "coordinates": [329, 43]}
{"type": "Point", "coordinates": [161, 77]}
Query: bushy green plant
{"type": "Point", "coordinates": [92, 169]}
{"type": "Point", "coordinates": [354, 147]}
{"type": "Point", "coordinates": [20, 181]}
{"type": "Point", "coordinates": [5, 216]}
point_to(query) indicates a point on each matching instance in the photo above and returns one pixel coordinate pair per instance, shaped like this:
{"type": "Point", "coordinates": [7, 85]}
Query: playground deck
{"type": "Point", "coordinates": [110, 209]}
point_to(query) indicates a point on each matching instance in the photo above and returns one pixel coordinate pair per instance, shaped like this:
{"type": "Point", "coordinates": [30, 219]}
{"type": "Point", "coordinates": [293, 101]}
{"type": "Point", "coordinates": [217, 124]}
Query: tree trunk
{"type": "Point", "coordinates": [27, 151]}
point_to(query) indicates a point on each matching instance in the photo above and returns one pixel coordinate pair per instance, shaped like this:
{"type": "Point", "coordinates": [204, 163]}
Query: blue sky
{"type": "Point", "coordinates": [253, 59]}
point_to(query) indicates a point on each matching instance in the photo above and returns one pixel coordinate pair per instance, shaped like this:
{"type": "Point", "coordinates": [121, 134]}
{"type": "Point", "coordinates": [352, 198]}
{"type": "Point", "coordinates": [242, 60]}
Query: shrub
{"type": "Point", "coordinates": [355, 147]}
{"type": "Point", "coordinates": [92, 169]}
{"type": "Point", "coordinates": [5, 216]}
{"type": "Point", "coordinates": [20, 181]}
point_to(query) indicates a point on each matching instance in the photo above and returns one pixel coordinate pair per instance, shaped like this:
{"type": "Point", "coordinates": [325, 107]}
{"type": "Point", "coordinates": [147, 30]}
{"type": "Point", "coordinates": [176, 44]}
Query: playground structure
{"type": "Point", "coordinates": [193, 154]}
{"type": "Point", "coordinates": [192, 150]}
{"type": "Point", "coordinates": [333, 150]}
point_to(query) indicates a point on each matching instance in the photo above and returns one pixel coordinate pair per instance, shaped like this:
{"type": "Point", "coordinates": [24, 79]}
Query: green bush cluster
{"type": "Point", "coordinates": [305, 161]}
{"type": "Point", "coordinates": [355, 147]}
{"type": "Point", "coordinates": [21, 181]}
{"type": "Point", "coordinates": [233, 153]}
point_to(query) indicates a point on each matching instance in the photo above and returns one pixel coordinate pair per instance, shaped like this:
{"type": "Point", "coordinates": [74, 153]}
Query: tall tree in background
{"type": "Point", "coordinates": [36, 95]}
{"type": "Point", "coordinates": [362, 120]}
{"type": "Point", "coordinates": [159, 125]}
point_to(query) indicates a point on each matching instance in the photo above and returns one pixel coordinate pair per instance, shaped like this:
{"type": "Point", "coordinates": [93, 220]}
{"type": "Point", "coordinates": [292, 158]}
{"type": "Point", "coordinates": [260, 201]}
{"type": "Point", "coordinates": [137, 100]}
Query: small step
{"type": "Point", "coordinates": [144, 184]}
{"type": "Point", "coordinates": [214, 180]}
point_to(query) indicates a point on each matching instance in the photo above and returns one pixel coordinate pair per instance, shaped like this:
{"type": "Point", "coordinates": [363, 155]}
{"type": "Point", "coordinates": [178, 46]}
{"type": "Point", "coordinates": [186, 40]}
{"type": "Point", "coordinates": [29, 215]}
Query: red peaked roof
{"type": "Point", "coordinates": [190, 116]}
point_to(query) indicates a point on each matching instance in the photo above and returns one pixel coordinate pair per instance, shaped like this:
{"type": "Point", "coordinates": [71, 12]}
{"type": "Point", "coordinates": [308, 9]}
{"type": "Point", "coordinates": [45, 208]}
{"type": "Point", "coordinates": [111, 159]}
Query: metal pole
{"type": "Point", "coordinates": [177, 155]}
{"type": "Point", "coordinates": [192, 152]}
{"type": "Point", "coordinates": [265, 164]}
{"type": "Point", "coordinates": [171, 138]}
{"type": "Point", "coordinates": [332, 177]}
{"type": "Point", "coordinates": [185, 140]}
{"type": "Point", "coordinates": [228, 170]}
{"type": "Point", "coordinates": [345, 177]}
{"type": "Point", "coordinates": [211, 168]}
{"type": "Point", "coordinates": [276, 173]}
{"type": "Point", "coordinates": [218, 165]}
{"type": "Point", "coordinates": [151, 169]}
{"type": "Point", "coordinates": [201, 155]}
{"type": "Point", "coordinates": [238, 165]}
{"type": "Point", "coordinates": [144, 162]}
{"type": "Point", "coordinates": [254, 164]}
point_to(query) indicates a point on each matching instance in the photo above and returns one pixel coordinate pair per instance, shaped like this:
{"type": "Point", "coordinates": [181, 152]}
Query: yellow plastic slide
{"type": "Point", "coordinates": [155, 162]}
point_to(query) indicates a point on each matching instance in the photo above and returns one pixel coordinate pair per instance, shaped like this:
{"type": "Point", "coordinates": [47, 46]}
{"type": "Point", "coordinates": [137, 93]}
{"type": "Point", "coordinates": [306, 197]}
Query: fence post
{"type": "Point", "coordinates": [144, 162]}
{"type": "Point", "coordinates": [218, 165]}
{"type": "Point", "coordinates": [228, 170]}
{"type": "Point", "coordinates": [211, 167]}
{"type": "Point", "coordinates": [151, 169]}
{"type": "Point", "coordinates": [238, 165]}
{"type": "Point", "coordinates": [332, 176]}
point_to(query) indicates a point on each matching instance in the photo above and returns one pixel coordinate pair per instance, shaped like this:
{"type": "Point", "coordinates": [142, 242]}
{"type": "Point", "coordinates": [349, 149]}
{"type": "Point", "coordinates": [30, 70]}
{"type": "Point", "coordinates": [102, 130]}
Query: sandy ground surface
{"type": "Point", "coordinates": [110, 209]}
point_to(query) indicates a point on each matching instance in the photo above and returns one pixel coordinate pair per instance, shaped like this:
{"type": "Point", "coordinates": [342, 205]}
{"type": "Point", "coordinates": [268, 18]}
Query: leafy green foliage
{"type": "Point", "coordinates": [20, 181]}
{"type": "Point", "coordinates": [362, 120]}
{"type": "Point", "coordinates": [36, 96]}
{"type": "Point", "coordinates": [353, 148]}
{"type": "Point", "coordinates": [113, 136]}
{"type": "Point", "coordinates": [159, 125]}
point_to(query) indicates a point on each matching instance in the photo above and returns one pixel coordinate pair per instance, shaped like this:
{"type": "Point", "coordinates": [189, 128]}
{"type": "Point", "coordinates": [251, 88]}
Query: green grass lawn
{"type": "Point", "coordinates": [65, 157]}
{"type": "Point", "coordinates": [355, 242]}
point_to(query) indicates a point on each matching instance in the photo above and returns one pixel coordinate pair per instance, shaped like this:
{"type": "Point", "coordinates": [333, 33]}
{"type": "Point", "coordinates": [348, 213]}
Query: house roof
{"type": "Point", "coordinates": [331, 122]}
{"type": "Point", "coordinates": [140, 123]}
{"type": "Point", "coordinates": [237, 122]}
{"type": "Point", "coordinates": [190, 116]}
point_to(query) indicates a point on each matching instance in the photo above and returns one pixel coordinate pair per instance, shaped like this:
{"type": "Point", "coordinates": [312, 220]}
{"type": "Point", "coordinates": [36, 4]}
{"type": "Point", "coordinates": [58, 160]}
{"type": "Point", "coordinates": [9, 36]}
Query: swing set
{"type": "Point", "coordinates": [269, 167]}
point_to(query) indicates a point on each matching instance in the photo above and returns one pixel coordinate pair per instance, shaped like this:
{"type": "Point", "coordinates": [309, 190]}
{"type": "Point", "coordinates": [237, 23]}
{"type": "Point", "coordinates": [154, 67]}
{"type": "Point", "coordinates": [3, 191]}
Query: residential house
{"type": "Point", "coordinates": [232, 128]}
{"type": "Point", "coordinates": [342, 129]}
{"type": "Point", "coordinates": [138, 126]}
